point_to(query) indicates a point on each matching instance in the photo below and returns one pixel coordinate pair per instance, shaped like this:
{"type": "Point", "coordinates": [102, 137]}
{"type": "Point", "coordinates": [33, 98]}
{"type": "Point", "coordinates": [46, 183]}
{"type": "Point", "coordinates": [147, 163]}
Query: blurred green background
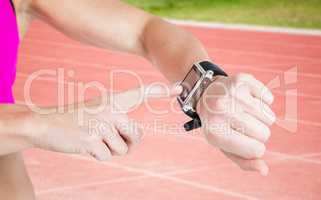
{"type": "Point", "coordinates": [288, 13]}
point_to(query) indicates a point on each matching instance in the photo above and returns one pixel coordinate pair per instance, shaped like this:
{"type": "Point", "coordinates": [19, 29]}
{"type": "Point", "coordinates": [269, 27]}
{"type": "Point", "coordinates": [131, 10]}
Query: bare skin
{"type": "Point", "coordinates": [114, 25]}
{"type": "Point", "coordinates": [15, 183]}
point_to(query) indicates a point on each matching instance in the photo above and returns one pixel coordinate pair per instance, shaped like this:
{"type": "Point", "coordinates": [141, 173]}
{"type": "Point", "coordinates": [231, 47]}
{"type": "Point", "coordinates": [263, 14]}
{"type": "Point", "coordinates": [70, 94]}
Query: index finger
{"type": "Point", "coordinates": [130, 99]}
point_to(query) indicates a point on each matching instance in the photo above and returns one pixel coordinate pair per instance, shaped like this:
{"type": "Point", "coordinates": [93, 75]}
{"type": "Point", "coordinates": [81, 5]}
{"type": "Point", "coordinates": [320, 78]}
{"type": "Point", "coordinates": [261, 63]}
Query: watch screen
{"type": "Point", "coordinates": [190, 81]}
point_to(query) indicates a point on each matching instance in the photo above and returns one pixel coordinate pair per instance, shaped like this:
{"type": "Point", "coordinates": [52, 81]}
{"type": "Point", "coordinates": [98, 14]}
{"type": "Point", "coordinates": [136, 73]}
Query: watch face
{"type": "Point", "coordinates": [190, 81]}
{"type": "Point", "coordinates": [194, 85]}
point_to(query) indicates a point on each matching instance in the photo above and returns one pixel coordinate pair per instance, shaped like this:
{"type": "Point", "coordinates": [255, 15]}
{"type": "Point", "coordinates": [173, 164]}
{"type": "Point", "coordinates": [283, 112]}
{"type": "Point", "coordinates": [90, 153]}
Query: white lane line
{"type": "Point", "coordinates": [247, 27]}
{"type": "Point", "coordinates": [304, 122]}
{"type": "Point", "coordinates": [282, 156]}
{"type": "Point", "coordinates": [303, 95]}
{"type": "Point", "coordinates": [259, 42]}
{"type": "Point", "coordinates": [263, 54]}
{"type": "Point", "coordinates": [265, 68]}
{"type": "Point", "coordinates": [302, 158]}
{"type": "Point", "coordinates": [177, 172]}
{"type": "Point", "coordinates": [259, 68]}
{"type": "Point", "coordinates": [115, 181]}
{"type": "Point", "coordinates": [87, 185]}
{"type": "Point", "coordinates": [192, 184]}
{"type": "Point", "coordinates": [54, 80]}
{"type": "Point", "coordinates": [311, 155]}
{"type": "Point", "coordinates": [149, 174]}
{"type": "Point", "coordinates": [154, 73]}
{"type": "Point", "coordinates": [37, 30]}
{"type": "Point", "coordinates": [128, 179]}
{"type": "Point", "coordinates": [90, 65]}
{"type": "Point", "coordinates": [256, 53]}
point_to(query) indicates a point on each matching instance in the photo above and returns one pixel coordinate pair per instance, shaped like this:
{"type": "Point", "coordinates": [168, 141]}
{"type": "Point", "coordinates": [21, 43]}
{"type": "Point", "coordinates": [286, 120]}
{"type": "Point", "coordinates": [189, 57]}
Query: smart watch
{"type": "Point", "coordinates": [201, 75]}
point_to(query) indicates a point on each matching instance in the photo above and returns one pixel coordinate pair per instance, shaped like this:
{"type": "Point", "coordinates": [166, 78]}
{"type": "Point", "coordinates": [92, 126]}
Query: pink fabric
{"type": "Point", "coordinates": [9, 42]}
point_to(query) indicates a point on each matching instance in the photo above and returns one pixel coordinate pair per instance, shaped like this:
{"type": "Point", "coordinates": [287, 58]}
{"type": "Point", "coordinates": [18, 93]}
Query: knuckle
{"type": "Point", "coordinates": [259, 151]}
{"type": "Point", "coordinates": [267, 114]}
{"type": "Point", "coordinates": [242, 77]}
{"type": "Point", "coordinates": [101, 155]}
{"type": "Point", "coordinates": [221, 104]}
{"type": "Point", "coordinates": [103, 158]}
{"type": "Point", "coordinates": [91, 142]}
{"type": "Point", "coordinates": [266, 133]}
{"type": "Point", "coordinates": [80, 150]}
{"type": "Point", "coordinates": [116, 143]}
{"type": "Point", "coordinates": [112, 135]}
{"type": "Point", "coordinates": [255, 151]}
{"type": "Point", "coordinates": [123, 149]}
{"type": "Point", "coordinates": [252, 105]}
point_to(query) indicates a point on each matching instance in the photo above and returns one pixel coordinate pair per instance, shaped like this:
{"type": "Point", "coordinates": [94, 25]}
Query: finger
{"type": "Point", "coordinates": [249, 165]}
{"type": "Point", "coordinates": [250, 126]}
{"type": "Point", "coordinates": [115, 142]}
{"type": "Point", "coordinates": [132, 98]}
{"type": "Point", "coordinates": [162, 91]}
{"type": "Point", "coordinates": [258, 89]}
{"type": "Point", "coordinates": [260, 110]}
{"type": "Point", "coordinates": [98, 149]}
{"type": "Point", "coordinates": [130, 132]}
{"type": "Point", "coordinates": [236, 143]}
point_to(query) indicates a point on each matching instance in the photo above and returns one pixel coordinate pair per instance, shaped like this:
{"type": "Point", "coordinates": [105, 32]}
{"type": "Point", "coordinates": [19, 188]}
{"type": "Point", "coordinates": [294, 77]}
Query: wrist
{"type": "Point", "coordinates": [28, 126]}
{"type": "Point", "coordinates": [17, 125]}
{"type": "Point", "coordinates": [198, 79]}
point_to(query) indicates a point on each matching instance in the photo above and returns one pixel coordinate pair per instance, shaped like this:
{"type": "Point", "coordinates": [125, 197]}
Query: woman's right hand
{"type": "Point", "coordinates": [101, 134]}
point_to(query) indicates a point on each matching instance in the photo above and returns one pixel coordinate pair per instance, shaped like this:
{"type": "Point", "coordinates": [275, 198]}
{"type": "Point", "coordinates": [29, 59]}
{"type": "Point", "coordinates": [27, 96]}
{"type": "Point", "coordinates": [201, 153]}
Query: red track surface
{"type": "Point", "coordinates": [175, 166]}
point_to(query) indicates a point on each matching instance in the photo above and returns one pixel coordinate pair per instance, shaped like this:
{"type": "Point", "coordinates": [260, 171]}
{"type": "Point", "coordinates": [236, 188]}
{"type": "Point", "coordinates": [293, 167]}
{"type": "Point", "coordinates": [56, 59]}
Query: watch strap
{"type": "Point", "coordinates": [208, 66]}
{"type": "Point", "coordinates": [194, 123]}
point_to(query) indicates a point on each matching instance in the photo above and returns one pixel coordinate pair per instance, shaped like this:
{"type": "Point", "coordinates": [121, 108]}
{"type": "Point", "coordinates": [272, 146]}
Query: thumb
{"type": "Point", "coordinates": [130, 99]}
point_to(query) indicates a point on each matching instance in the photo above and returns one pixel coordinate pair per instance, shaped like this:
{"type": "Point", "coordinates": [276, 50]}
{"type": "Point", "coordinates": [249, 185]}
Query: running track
{"type": "Point", "coordinates": [180, 166]}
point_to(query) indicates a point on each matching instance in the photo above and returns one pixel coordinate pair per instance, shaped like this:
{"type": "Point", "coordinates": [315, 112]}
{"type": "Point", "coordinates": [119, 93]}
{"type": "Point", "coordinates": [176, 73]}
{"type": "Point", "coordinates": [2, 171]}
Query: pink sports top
{"type": "Point", "coordinates": [9, 42]}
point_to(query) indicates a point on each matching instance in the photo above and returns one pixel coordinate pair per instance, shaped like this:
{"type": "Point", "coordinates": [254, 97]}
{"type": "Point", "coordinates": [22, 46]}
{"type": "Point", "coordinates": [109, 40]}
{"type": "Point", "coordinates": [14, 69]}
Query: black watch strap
{"type": "Point", "coordinates": [196, 120]}
{"type": "Point", "coordinates": [208, 66]}
{"type": "Point", "coordinates": [194, 123]}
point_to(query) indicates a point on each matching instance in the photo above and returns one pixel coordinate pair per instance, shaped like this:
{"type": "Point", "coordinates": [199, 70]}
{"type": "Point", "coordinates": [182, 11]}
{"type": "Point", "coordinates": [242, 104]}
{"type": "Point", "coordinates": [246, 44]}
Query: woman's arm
{"type": "Point", "coordinates": [96, 127]}
{"type": "Point", "coordinates": [99, 133]}
{"type": "Point", "coordinates": [114, 25]}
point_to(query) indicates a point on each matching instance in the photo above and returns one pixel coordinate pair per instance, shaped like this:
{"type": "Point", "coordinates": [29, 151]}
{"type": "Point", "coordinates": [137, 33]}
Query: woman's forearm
{"type": "Point", "coordinates": [115, 25]}
{"type": "Point", "coordinates": [21, 128]}
{"type": "Point", "coordinates": [171, 49]}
